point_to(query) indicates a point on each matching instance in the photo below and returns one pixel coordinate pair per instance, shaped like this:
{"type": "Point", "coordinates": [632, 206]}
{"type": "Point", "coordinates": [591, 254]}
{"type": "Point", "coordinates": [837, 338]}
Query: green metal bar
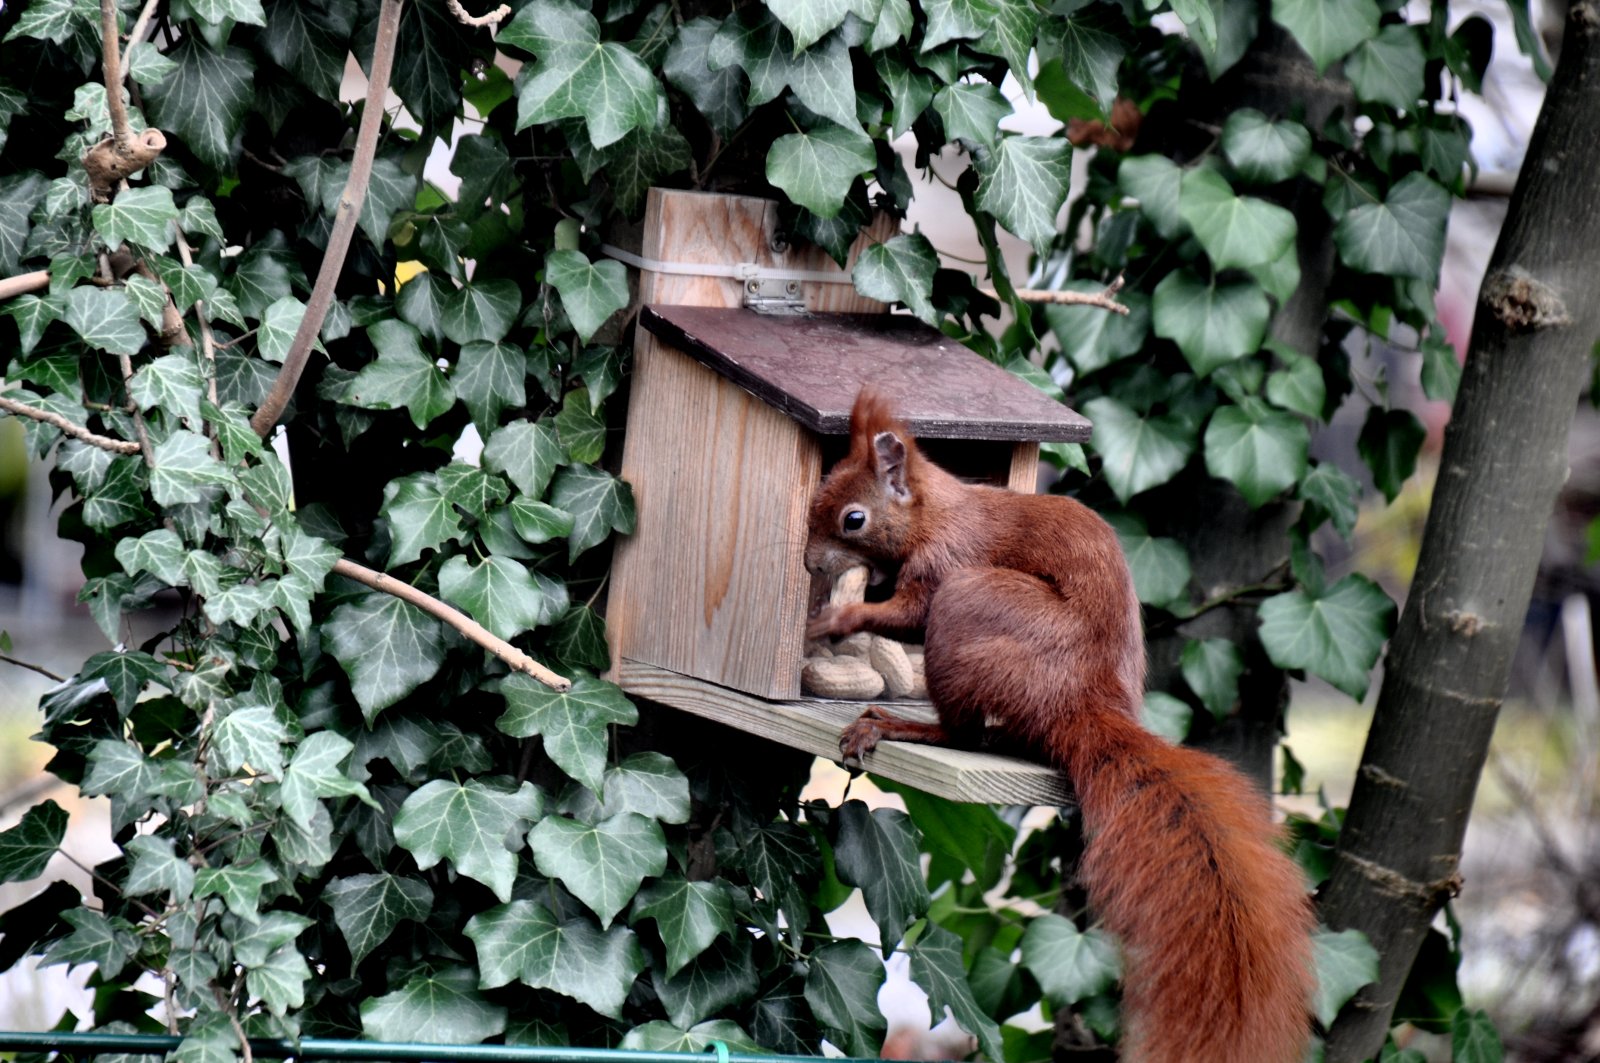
{"type": "Point", "coordinates": [319, 1048]}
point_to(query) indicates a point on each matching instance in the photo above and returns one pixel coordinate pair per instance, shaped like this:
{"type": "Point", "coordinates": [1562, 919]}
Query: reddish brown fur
{"type": "Point", "coordinates": [1032, 624]}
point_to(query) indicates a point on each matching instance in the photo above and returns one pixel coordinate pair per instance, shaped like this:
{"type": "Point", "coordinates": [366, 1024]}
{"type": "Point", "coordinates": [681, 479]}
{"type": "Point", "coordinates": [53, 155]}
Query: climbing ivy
{"type": "Point", "coordinates": [308, 845]}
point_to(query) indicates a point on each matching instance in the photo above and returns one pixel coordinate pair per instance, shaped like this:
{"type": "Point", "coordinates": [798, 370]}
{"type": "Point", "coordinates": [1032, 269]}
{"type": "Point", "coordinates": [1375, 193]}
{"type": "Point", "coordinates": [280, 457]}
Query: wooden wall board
{"type": "Point", "coordinates": [811, 366]}
{"type": "Point", "coordinates": [814, 725]}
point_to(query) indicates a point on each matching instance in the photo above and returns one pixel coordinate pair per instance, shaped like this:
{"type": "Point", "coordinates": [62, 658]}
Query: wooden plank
{"type": "Point", "coordinates": [1024, 477]}
{"type": "Point", "coordinates": [811, 366]}
{"type": "Point", "coordinates": [814, 725]}
{"type": "Point", "coordinates": [713, 582]}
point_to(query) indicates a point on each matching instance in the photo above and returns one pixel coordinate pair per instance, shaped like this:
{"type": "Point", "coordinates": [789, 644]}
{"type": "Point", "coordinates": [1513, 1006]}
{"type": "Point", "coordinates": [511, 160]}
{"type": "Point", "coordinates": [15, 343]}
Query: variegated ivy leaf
{"type": "Point", "coordinates": [278, 325]}
{"type": "Point", "coordinates": [107, 942]}
{"type": "Point", "coordinates": [232, 423]}
{"type": "Point", "coordinates": [153, 867]}
{"type": "Point", "coordinates": [148, 297]}
{"type": "Point", "coordinates": [173, 383]}
{"type": "Point", "coordinates": [205, 99]}
{"type": "Point", "coordinates": [590, 292]}
{"type": "Point", "coordinates": [33, 314]}
{"type": "Point", "coordinates": [105, 318]}
{"type": "Point", "coordinates": [126, 674]}
{"type": "Point", "coordinates": [367, 908]}
{"type": "Point", "coordinates": [54, 20]}
{"type": "Point", "coordinates": [19, 194]}
{"type": "Point", "coordinates": [315, 772]}
{"type": "Point", "coordinates": [147, 65]}
{"type": "Point", "coordinates": [239, 886]}
{"type": "Point", "coordinates": [26, 848]}
{"type": "Point", "coordinates": [950, 20]}
{"type": "Point", "coordinates": [158, 552]}
{"type": "Point", "coordinates": [389, 188]}
{"type": "Point", "coordinates": [184, 468]}
{"type": "Point", "coordinates": [900, 270]}
{"type": "Point", "coordinates": [972, 112]}
{"type": "Point", "coordinates": [251, 735]}
{"type": "Point", "coordinates": [143, 216]}
{"type": "Point", "coordinates": [579, 75]}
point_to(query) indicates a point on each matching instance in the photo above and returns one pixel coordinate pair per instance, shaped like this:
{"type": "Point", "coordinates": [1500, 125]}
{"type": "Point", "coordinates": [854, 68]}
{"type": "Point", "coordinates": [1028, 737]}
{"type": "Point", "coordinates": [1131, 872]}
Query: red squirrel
{"type": "Point", "coordinates": [1032, 627]}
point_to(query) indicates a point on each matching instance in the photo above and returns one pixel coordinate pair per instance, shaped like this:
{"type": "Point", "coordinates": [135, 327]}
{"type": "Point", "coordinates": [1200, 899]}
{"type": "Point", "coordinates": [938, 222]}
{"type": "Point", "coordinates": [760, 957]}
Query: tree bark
{"type": "Point", "coordinates": [1505, 456]}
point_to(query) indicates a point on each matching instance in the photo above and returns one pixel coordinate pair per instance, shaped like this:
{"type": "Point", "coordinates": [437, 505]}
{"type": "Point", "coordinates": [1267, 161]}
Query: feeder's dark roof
{"type": "Point", "coordinates": [810, 366]}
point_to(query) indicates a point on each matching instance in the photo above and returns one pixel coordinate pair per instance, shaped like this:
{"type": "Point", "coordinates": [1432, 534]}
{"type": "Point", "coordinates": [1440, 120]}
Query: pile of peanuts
{"type": "Point", "coordinates": [862, 665]}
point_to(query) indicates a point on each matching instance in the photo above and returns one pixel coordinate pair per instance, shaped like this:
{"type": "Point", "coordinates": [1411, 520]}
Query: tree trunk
{"type": "Point", "coordinates": [1505, 455]}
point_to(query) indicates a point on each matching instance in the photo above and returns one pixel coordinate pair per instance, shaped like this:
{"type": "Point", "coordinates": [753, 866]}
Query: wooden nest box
{"type": "Point", "coordinates": [747, 358]}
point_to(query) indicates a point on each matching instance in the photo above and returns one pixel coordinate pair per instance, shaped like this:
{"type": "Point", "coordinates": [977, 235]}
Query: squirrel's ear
{"type": "Point", "coordinates": [889, 461]}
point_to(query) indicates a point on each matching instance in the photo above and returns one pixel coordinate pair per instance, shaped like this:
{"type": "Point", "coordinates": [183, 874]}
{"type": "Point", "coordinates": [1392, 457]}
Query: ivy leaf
{"type": "Point", "coordinates": [118, 769]}
{"type": "Point", "coordinates": [1388, 443]}
{"type": "Point", "coordinates": [821, 77]}
{"type": "Point", "coordinates": [205, 99]}
{"type": "Point", "coordinates": [1403, 235]}
{"type": "Point", "coordinates": [1138, 453]}
{"type": "Point", "coordinates": [1298, 386]}
{"type": "Point", "coordinates": [900, 270]}
{"type": "Point", "coordinates": [877, 851]}
{"type": "Point", "coordinates": [720, 977]}
{"type": "Point", "coordinates": [1331, 493]}
{"type": "Point", "coordinates": [1212, 668]}
{"type": "Point", "coordinates": [1474, 1039]}
{"type": "Point", "coordinates": [1081, 80]}
{"type": "Point", "coordinates": [1011, 34]}
{"type": "Point", "coordinates": [659, 1036]}
{"type": "Point", "coordinates": [126, 674]}
{"type": "Point", "coordinates": [1212, 324]}
{"type": "Point", "coordinates": [579, 75]}
{"type": "Point", "coordinates": [153, 867]}
{"type": "Point", "coordinates": [647, 783]}
{"type": "Point", "coordinates": [1024, 183]}
{"type": "Point", "coordinates": [1160, 567]}
{"type": "Point", "coordinates": [689, 916]}
{"type": "Point", "coordinates": [26, 849]}
{"type": "Point", "coordinates": [842, 986]}
{"type": "Point", "coordinates": [470, 823]}
{"type": "Point", "coordinates": [602, 863]}
{"type": "Point", "coordinates": [184, 468]}
{"type": "Point", "coordinates": [579, 637]}
{"type": "Point", "coordinates": [1093, 339]}
{"type": "Point", "coordinates": [816, 168]}
{"type": "Point", "coordinates": [1166, 716]}
{"type": "Point", "coordinates": [33, 314]}
{"type": "Point", "coordinates": [590, 293]}
{"type": "Point", "coordinates": [1388, 68]}
{"type": "Point", "coordinates": [389, 188]}
{"type": "Point", "coordinates": [950, 20]}
{"type": "Point", "coordinates": [401, 375]}
{"type": "Point", "coordinates": [599, 503]}
{"type": "Point", "coordinates": [367, 908]}
{"type": "Point", "coordinates": [52, 20]}
{"type": "Point", "coordinates": [1327, 31]}
{"type": "Point", "coordinates": [527, 452]}
{"type": "Point", "coordinates": [1345, 962]}
{"type": "Point", "coordinates": [523, 941]}
{"type": "Point", "coordinates": [439, 1007]}
{"type": "Point", "coordinates": [808, 21]}
{"type": "Point", "coordinates": [173, 383]}
{"type": "Point", "coordinates": [279, 322]}
{"type": "Point", "coordinates": [1235, 230]}
{"type": "Point", "coordinates": [315, 772]}
{"type": "Point", "coordinates": [1261, 451]}
{"type": "Point", "coordinates": [717, 94]}
{"type": "Point", "coordinates": [108, 943]}
{"type": "Point", "coordinates": [239, 886]}
{"type": "Point", "coordinates": [573, 723]}
{"type": "Point", "coordinates": [386, 647]}
{"type": "Point", "coordinates": [252, 735]}
{"type": "Point", "coordinates": [1335, 634]}
{"type": "Point", "coordinates": [937, 966]}
{"type": "Point", "coordinates": [105, 318]}
{"type": "Point", "coordinates": [483, 310]}
{"type": "Point", "coordinates": [1262, 150]}
{"type": "Point", "coordinates": [1070, 965]}
{"type": "Point", "coordinates": [143, 216]}
{"type": "Point", "coordinates": [1441, 369]}
{"type": "Point", "coordinates": [499, 594]}
{"type": "Point", "coordinates": [1155, 181]}
{"type": "Point", "coordinates": [971, 112]}
{"type": "Point", "coordinates": [420, 517]}
{"type": "Point", "coordinates": [489, 377]}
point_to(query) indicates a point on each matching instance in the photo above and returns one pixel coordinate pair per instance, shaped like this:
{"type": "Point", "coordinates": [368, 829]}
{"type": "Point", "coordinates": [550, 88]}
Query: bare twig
{"type": "Point", "coordinates": [344, 223]}
{"type": "Point", "coordinates": [47, 673]}
{"type": "Point", "coordinates": [136, 34]}
{"type": "Point", "coordinates": [1106, 300]}
{"type": "Point", "coordinates": [138, 415]}
{"type": "Point", "coordinates": [208, 344]}
{"type": "Point", "coordinates": [23, 283]}
{"type": "Point", "coordinates": [491, 19]}
{"type": "Point", "coordinates": [473, 630]}
{"type": "Point", "coordinates": [116, 446]}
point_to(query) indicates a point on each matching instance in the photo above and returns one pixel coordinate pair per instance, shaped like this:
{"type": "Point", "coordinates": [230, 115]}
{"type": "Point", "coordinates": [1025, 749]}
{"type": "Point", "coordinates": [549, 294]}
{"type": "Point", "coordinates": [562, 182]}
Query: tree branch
{"type": "Point", "coordinates": [469, 627]}
{"type": "Point", "coordinates": [491, 19]}
{"type": "Point", "coordinates": [23, 283]}
{"type": "Point", "coordinates": [116, 446]}
{"type": "Point", "coordinates": [344, 223]}
{"type": "Point", "coordinates": [121, 154]}
{"type": "Point", "coordinates": [47, 673]}
{"type": "Point", "coordinates": [111, 62]}
{"type": "Point", "coordinates": [1105, 300]}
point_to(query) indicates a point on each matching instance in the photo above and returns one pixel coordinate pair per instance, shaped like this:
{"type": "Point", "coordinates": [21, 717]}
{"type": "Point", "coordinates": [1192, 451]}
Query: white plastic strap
{"type": "Point", "coordinates": [743, 271]}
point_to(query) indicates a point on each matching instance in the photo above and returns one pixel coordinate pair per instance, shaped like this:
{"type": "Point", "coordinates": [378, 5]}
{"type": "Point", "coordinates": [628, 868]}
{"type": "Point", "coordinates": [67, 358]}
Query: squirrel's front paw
{"type": "Point", "coordinates": [861, 736]}
{"type": "Point", "coordinates": [829, 621]}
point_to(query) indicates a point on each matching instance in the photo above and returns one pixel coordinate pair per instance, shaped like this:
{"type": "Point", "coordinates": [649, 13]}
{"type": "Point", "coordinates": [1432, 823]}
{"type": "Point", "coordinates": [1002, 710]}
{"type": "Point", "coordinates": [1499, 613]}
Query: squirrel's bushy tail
{"type": "Point", "coordinates": [1182, 864]}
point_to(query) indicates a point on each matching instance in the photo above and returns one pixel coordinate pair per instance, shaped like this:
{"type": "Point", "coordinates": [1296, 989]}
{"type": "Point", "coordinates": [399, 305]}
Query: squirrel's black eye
{"type": "Point", "coordinates": [854, 520]}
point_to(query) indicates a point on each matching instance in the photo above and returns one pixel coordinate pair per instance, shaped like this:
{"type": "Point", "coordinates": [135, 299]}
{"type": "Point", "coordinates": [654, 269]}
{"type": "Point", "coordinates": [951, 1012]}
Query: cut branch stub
{"type": "Point", "coordinates": [106, 165]}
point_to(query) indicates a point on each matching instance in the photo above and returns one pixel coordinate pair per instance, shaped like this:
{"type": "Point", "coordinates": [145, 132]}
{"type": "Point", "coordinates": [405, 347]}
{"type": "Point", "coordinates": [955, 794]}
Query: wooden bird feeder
{"type": "Point", "coordinates": [747, 359]}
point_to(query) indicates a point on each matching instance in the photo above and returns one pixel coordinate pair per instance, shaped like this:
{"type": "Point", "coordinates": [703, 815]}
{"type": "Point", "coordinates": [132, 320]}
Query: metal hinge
{"type": "Point", "coordinates": [768, 295]}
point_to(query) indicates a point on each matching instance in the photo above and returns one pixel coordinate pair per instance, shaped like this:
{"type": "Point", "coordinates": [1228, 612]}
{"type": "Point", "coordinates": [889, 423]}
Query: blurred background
{"type": "Point", "coordinates": [1530, 909]}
